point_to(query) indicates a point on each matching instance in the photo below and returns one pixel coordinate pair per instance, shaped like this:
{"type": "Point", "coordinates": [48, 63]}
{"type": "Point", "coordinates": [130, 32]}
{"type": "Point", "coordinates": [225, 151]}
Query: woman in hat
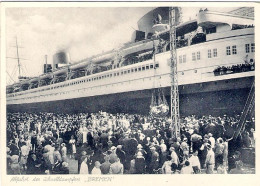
{"type": "Point", "coordinates": [72, 143]}
{"type": "Point", "coordinates": [64, 152]}
{"type": "Point", "coordinates": [84, 167]}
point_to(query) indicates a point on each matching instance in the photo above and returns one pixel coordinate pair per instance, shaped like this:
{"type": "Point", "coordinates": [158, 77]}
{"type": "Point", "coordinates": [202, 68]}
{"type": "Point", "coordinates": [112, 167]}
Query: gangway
{"type": "Point", "coordinates": [247, 111]}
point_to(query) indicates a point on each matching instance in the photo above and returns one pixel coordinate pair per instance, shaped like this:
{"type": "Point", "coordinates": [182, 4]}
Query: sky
{"type": "Point", "coordinates": [81, 31]}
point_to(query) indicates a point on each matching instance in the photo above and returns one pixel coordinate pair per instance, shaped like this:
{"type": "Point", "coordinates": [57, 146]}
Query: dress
{"type": "Point", "coordinates": [83, 168]}
{"type": "Point", "coordinates": [73, 145]}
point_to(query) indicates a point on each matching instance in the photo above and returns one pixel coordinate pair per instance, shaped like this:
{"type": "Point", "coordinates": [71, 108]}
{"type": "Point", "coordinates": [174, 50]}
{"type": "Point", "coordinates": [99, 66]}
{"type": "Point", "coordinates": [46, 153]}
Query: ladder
{"type": "Point", "coordinates": [248, 109]}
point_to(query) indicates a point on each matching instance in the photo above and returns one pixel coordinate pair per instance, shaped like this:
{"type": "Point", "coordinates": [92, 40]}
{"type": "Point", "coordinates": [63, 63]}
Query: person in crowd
{"type": "Point", "coordinates": [167, 166]}
{"type": "Point", "coordinates": [64, 168]}
{"type": "Point", "coordinates": [116, 167]}
{"type": "Point", "coordinates": [210, 160]}
{"type": "Point", "coordinates": [24, 155]}
{"type": "Point", "coordinates": [105, 167]}
{"type": "Point", "coordinates": [132, 169]}
{"type": "Point", "coordinates": [15, 166]}
{"type": "Point", "coordinates": [84, 167]}
{"type": "Point", "coordinates": [195, 162]}
{"type": "Point", "coordinates": [187, 169]}
{"type": "Point", "coordinates": [96, 169]}
{"type": "Point", "coordinates": [175, 158]}
{"type": "Point", "coordinates": [219, 149]}
{"type": "Point", "coordinates": [140, 163]}
{"type": "Point", "coordinates": [238, 169]}
{"type": "Point", "coordinates": [64, 152]}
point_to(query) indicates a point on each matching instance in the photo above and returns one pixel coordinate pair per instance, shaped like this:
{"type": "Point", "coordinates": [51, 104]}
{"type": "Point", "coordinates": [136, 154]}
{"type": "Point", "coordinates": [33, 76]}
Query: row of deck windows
{"type": "Point", "coordinates": [230, 50]}
{"type": "Point", "coordinates": [128, 71]}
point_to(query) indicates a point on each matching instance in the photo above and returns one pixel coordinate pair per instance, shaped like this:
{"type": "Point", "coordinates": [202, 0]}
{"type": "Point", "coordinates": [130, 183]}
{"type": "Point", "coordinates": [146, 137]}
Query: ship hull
{"type": "Point", "coordinates": [214, 98]}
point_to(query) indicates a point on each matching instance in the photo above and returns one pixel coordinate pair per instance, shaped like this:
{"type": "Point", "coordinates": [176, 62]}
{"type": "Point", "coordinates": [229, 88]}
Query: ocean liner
{"type": "Point", "coordinates": [215, 56]}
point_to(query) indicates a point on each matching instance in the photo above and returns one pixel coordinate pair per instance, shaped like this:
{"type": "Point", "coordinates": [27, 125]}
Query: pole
{"type": "Point", "coordinates": [19, 65]}
{"type": "Point", "coordinates": [46, 63]}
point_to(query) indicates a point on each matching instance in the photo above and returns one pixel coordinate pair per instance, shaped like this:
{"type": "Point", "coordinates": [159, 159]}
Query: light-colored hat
{"type": "Point", "coordinates": [139, 154]}
{"type": "Point", "coordinates": [172, 149]}
{"type": "Point", "coordinates": [139, 146]}
{"type": "Point", "coordinates": [113, 148]}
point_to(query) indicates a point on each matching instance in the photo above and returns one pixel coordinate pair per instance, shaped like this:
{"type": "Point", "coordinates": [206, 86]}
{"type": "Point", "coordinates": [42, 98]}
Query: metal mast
{"type": "Point", "coordinates": [19, 64]}
{"type": "Point", "coordinates": [175, 111]}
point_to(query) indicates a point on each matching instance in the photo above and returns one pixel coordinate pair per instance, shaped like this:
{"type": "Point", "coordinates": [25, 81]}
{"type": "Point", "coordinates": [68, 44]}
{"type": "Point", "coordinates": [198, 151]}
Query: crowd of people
{"type": "Point", "coordinates": [249, 66]}
{"type": "Point", "coordinates": [103, 143]}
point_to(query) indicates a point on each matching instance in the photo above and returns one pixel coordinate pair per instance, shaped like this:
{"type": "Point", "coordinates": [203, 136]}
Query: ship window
{"type": "Point", "coordinates": [117, 74]}
{"type": "Point", "coordinates": [111, 75]}
{"type": "Point", "coordinates": [147, 67]}
{"type": "Point", "coordinates": [193, 56]}
{"type": "Point", "coordinates": [180, 59]}
{"type": "Point", "coordinates": [228, 50]}
{"type": "Point", "coordinates": [143, 68]}
{"type": "Point", "coordinates": [247, 48]}
{"type": "Point", "coordinates": [151, 66]}
{"type": "Point", "coordinates": [114, 74]}
{"type": "Point", "coordinates": [135, 69]}
{"type": "Point", "coordinates": [128, 71]}
{"type": "Point", "coordinates": [99, 77]}
{"type": "Point", "coordinates": [122, 73]}
{"type": "Point", "coordinates": [184, 58]}
{"type": "Point", "coordinates": [132, 70]}
{"type": "Point", "coordinates": [125, 72]}
{"type": "Point", "coordinates": [215, 52]}
{"type": "Point", "coordinates": [156, 65]}
{"type": "Point", "coordinates": [209, 53]}
{"type": "Point", "coordinates": [252, 47]}
{"type": "Point", "coordinates": [198, 55]}
{"type": "Point", "coordinates": [234, 49]}
{"type": "Point", "coordinates": [139, 68]}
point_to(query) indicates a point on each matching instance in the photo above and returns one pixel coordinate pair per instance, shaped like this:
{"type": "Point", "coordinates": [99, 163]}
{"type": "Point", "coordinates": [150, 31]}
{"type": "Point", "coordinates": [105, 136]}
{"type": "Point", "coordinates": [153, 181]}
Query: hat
{"type": "Point", "coordinates": [208, 146]}
{"type": "Point", "coordinates": [153, 148]}
{"type": "Point", "coordinates": [139, 146]}
{"type": "Point", "coordinates": [65, 164]}
{"type": "Point", "coordinates": [139, 154]}
{"type": "Point", "coordinates": [119, 146]}
{"type": "Point", "coordinates": [113, 148]}
{"type": "Point", "coordinates": [210, 135]}
{"type": "Point", "coordinates": [172, 149]}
